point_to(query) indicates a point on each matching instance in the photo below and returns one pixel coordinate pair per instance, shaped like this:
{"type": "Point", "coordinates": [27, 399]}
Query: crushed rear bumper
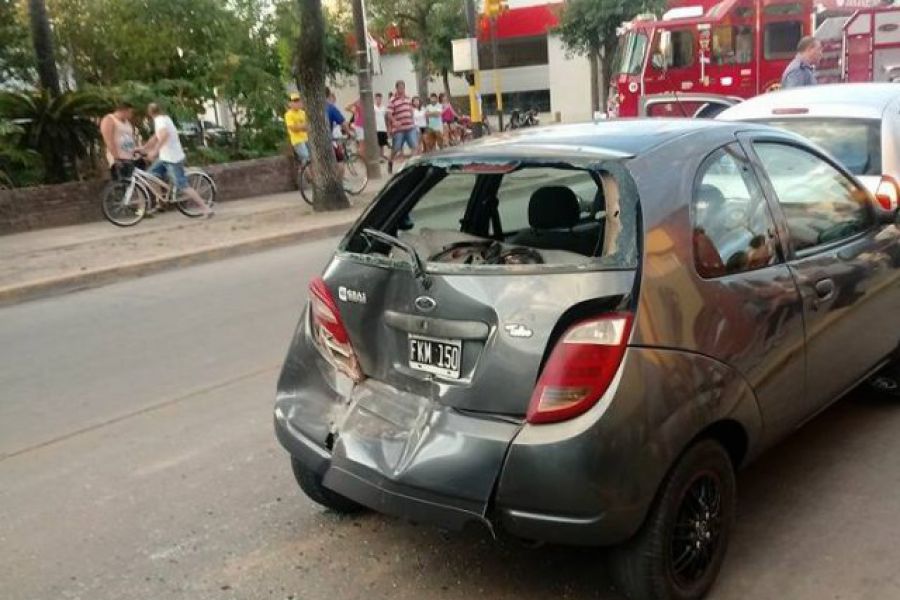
{"type": "Point", "coordinates": [404, 455]}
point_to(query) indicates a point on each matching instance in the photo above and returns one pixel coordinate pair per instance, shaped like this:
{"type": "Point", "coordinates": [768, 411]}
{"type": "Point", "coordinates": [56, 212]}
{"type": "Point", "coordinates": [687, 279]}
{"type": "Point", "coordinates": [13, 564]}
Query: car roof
{"type": "Point", "coordinates": [859, 100]}
{"type": "Point", "coordinates": [613, 139]}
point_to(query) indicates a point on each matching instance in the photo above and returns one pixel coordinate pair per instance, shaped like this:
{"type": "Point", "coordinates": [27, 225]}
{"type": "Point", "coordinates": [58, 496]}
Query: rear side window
{"type": "Point", "coordinates": [820, 204]}
{"type": "Point", "coordinates": [855, 143]}
{"type": "Point", "coordinates": [732, 228]}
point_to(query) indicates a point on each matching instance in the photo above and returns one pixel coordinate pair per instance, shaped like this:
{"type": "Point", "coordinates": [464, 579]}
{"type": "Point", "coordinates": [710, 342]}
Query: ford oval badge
{"type": "Point", "coordinates": [425, 303]}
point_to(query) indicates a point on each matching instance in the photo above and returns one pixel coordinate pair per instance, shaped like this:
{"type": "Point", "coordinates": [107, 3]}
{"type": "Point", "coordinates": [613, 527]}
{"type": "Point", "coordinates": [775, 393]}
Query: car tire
{"type": "Point", "coordinates": [646, 567]}
{"type": "Point", "coordinates": [886, 382]}
{"type": "Point", "coordinates": [311, 484]}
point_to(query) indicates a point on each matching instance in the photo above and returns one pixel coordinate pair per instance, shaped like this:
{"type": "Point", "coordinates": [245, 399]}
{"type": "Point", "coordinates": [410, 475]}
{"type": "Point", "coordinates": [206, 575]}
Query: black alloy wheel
{"type": "Point", "coordinates": [697, 532]}
{"type": "Point", "coordinates": [677, 553]}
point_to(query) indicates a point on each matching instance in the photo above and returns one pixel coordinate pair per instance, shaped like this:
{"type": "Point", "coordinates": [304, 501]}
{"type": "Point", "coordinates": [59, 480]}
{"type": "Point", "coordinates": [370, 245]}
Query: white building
{"type": "Point", "coordinates": [532, 64]}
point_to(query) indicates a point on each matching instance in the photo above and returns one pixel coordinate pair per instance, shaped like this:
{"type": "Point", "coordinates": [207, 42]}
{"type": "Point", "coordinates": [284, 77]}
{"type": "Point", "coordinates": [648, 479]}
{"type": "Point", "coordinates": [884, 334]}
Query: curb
{"type": "Point", "coordinates": [90, 279]}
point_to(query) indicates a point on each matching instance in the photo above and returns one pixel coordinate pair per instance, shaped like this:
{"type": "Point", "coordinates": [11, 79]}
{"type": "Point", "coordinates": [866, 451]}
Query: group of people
{"type": "Point", "coordinates": [403, 123]}
{"type": "Point", "coordinates": [120, 137]}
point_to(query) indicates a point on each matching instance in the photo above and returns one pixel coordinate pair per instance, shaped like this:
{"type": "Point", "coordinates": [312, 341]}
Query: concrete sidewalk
{"type": "Point", "coordinates": [64, 259]}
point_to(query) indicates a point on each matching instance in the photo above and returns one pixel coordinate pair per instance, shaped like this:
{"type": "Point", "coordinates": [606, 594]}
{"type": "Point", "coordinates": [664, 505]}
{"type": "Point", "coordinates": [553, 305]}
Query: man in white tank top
{"type": "Point", "coordinates": [118, 137]}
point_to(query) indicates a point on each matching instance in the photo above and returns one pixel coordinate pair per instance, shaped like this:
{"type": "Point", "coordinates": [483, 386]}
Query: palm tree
{"type": "Point", "coordinates": [61, 129]}
{"type": "Point", "coordinates": [42, 39]}
{"type": "Point", "coordinates": [12, 155]}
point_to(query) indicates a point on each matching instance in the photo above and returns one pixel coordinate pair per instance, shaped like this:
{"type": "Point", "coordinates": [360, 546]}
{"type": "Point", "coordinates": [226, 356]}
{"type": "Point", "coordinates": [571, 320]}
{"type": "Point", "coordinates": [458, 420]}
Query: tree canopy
{"type": "Point", "coordinates": [588, 27]}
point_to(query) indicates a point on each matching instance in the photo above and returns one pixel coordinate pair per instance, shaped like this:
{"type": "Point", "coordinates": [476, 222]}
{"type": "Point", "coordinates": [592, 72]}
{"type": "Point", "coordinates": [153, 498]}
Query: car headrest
{"type": "Point", "coordinates": [553, 207]}
{"type": "Point", "coordinates": [712, 195]}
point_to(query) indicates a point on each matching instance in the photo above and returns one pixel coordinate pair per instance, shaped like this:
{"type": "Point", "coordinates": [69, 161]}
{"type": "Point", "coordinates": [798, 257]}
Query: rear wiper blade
{"type": "Point", "coordinates": [418, 265]}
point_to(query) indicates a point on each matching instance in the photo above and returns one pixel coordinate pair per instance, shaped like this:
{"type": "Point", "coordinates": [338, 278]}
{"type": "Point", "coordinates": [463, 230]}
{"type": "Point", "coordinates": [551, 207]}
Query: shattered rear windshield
{"type": "Point", "coordinates": [501, 214]}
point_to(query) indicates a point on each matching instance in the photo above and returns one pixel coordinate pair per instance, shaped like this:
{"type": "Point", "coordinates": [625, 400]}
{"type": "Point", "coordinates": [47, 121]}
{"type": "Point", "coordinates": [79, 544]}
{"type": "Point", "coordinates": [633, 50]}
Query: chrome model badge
{"type": "Point", "coordinates": [517, 330]}
{"type": "Point", "coordinates": [348, 295]}
{"type": "Point", "coordinates": [425, 303]}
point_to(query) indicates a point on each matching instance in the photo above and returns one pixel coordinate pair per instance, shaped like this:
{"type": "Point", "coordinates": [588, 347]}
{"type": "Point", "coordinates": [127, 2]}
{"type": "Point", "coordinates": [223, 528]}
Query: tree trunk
{"type": "Point", "coordinates": [609, 52]}
{"type": "Point", "coordinates": [42, 40]}
{"type": "Point", "coordinates": [422, 74]}
{"type": "Point", "coordinates": [328, 188]}
{"type": "Point", "coordinates": [594, 60]}
{"type": "Point", "coordinates": [445, 76]}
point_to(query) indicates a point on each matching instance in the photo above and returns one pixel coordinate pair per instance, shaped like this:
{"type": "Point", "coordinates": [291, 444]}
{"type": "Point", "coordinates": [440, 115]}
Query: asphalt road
{"type": "Point", "coordinates": [137, 461]}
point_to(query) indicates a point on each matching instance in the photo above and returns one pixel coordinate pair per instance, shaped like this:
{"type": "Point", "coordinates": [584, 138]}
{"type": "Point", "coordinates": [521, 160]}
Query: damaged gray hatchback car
{"type": "Point", "coordinates": [577, 334]}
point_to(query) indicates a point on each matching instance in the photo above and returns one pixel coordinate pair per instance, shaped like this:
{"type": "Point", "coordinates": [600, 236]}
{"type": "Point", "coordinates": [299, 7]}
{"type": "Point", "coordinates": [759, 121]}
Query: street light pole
{"type": "Point", "coordinates": [474, 78]}
{"type": "Point", "coordinates": [364, 76]}
{"type": "Point", "coordinates": [498, 88]}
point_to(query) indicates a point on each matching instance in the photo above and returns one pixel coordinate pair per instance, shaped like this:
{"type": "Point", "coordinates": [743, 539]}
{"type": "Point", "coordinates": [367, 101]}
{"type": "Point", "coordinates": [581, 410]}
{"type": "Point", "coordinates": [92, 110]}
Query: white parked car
{"type": "Point", "coordinates": [857, 123]}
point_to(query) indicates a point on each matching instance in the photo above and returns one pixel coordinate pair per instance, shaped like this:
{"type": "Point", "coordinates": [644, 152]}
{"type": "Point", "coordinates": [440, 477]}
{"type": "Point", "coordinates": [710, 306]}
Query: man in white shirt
{"type": "Point", "coordinates": [166, 146]}
{"type": "Point", "coordinates": [381, 124]}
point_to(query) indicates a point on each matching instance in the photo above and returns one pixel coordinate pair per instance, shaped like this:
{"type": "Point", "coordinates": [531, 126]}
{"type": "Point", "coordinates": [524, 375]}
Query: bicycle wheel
{"type": "Point", "coordinates": [356, 176]}
{"type": "Point", "coordinates": [121, 208]}
{"type": "Point", "coordinates": [305, 183]}
{"type": "Point", "coordinates": [204, 186]}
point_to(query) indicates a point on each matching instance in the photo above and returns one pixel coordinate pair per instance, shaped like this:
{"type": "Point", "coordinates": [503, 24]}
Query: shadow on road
{"type": "Point", "coordinates": [785, 500]}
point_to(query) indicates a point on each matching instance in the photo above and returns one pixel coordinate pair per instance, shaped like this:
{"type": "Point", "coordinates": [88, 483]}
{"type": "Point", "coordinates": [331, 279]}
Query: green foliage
{"type": "Point", "coordinates": [16, 55]}
{"type": "Point", "coordinates": [338, 57]}
{"type": "Point", "coordinates": [107, 42]}
{"type": "Point", "coordinates": [14, 158]}
{"type": "Point", "coordinates": [589, 26]}
{"type": "Point", "coordinates": [446, 23]}
{"type": "Point", "coordinates": [61, 129]}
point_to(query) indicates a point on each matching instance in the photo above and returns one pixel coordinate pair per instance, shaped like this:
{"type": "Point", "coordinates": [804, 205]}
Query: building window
{"type": "Point", "coordinates": [514, 52]}
{"type": "Point", "coordinates": [538, 100]}
{"type": "Point", "coordinates": [780, 39]}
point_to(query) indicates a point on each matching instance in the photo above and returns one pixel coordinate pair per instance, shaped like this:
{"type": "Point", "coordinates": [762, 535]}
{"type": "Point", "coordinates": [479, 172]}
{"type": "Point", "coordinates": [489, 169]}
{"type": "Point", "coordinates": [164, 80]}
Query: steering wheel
{"type": "Point", "coordinates": [495, 255]}
{"type": "Point", "coordinates": [449, 250]}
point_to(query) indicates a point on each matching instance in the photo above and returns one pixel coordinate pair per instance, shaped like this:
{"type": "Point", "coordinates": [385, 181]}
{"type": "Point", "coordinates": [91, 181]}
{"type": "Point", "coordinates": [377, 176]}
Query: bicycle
{"type": "Point", "coordinates": [126, 201]}
{"type": "Point", "coordinates": [356, 175]}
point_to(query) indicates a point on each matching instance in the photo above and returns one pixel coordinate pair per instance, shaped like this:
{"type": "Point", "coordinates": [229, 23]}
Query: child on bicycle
{"type": "Point", "coordinates": [170, 156]}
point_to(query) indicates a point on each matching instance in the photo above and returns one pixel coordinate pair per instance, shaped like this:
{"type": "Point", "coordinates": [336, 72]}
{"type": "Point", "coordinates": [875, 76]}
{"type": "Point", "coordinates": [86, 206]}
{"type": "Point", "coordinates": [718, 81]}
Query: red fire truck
{"type": "Point", "coordinates": [704, 55]}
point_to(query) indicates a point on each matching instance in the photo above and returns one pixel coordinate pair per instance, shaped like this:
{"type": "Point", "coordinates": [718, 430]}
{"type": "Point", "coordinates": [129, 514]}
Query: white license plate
{"type": "Point", "coordinates": [432, 355]}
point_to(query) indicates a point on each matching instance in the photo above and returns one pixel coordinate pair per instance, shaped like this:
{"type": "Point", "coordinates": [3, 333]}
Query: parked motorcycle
{"type": "Point", "coordinates": [518, 119]}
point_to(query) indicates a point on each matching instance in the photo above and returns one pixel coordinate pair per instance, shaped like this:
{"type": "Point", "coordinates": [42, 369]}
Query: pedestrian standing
{"type": "Point", "coordinates": [401, 124]}
{"type": "Point", "coordinates": [297, 127]}
{"type": "Point", "coordinates": [357, 123]}
{"type": "Point", "coordinates": [802, 70]}
{"type": "Point", "coordinates": [118, 137]}
{"type": "Point", "coordinates": [434, 132]}
{"type": "Point", "coordinates": [381, 125]}
{"type": "Point", "coordinates": [448, 117]}
{"type": "Point", "coordinates": [419, 119]}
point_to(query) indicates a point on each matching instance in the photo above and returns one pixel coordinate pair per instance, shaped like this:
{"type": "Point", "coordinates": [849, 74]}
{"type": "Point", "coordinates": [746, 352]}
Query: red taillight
{"type": "Point", "coordinates": [888, 192]}
{"type": "Point", "coordinates": [580, 368]}
{"type": "Point", "coordinates": [329, 332]}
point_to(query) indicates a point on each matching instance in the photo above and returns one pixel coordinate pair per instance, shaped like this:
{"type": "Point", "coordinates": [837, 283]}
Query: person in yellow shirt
{"type": "Point", "coordinates": [298, 127]}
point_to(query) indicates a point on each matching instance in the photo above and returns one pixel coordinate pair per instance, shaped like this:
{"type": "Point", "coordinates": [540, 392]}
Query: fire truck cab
{"type": "Point", "coordinates": [699, 58]}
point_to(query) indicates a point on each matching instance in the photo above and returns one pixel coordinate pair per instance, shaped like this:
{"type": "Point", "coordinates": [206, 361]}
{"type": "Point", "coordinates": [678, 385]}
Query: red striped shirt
{"type": "Point", "coordinates": [401, 111]}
